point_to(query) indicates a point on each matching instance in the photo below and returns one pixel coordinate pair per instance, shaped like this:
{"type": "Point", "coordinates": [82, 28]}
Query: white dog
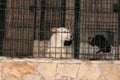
{"type": "Point", "coordinates": [56, 47]}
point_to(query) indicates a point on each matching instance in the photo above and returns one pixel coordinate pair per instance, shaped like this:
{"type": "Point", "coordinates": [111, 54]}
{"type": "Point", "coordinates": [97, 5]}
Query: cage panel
{"type": "Point", "coordinates": [84, 29]}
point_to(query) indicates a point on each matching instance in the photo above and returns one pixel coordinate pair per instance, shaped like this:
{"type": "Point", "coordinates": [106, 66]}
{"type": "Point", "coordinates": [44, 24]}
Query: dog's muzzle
{"type": "Point", "coordinates": [68, 42]}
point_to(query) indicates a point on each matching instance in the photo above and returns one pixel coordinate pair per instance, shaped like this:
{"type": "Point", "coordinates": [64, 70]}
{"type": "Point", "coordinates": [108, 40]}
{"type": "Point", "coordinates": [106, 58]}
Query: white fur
{"type": "Point", "coordinates": [87, 51]}
{"type": "Point", "coordinates": [85, 48]}
{"type": "Point", "coordinates": [56, 46]}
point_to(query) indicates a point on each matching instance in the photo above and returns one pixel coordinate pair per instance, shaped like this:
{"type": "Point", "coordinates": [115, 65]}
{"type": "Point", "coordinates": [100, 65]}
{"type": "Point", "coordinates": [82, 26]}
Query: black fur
{"type": "Point", "coordinates": [101, 42]}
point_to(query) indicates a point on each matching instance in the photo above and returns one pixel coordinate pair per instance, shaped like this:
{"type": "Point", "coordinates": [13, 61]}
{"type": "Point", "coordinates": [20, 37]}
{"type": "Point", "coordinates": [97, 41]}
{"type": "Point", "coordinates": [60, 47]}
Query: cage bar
{"type": "Point", "coordinates": [26, 29]}
{"type": "Point", "coordinates": [77, 29]}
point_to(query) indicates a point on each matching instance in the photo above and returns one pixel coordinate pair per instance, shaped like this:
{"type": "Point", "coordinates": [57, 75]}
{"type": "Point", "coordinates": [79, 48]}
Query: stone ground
{"type": "Point", "coordinates": [51, 69]}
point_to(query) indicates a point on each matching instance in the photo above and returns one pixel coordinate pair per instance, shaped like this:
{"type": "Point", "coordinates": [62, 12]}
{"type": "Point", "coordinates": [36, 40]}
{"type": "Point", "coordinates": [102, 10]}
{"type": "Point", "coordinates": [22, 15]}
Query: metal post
{"type": "Point", "coordinates": [42, 20]}
{"type": "Point", "coordinates": [117, 56]}
{"type": "Point", "coordinates": [118, 10]}
{"type": "Point", "coordinates": [2, 23]}
{"type": "Point", "coordinates": [35, 13]}
{"type": "Point", "coordinates": [76, 29]}
{"type": "Point", "coordinates": [63, 12]}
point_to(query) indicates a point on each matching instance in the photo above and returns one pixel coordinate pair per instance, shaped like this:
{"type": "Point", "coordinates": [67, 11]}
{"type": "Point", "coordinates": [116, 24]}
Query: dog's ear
{"type": "Point", "coordinates": [54, 30]}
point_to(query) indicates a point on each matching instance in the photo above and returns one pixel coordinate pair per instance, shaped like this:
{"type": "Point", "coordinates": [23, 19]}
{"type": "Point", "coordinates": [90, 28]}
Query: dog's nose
{"type": "Point", "coordinates": [71, 36]}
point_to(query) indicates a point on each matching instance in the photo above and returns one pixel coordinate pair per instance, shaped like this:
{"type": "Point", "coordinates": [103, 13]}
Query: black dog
{"type": "Point", "coordinates": [101, 42]}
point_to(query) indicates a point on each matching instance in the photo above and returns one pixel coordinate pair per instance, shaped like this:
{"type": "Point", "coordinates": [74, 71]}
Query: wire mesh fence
{"type": "Point", "coordinates": [80, 29]}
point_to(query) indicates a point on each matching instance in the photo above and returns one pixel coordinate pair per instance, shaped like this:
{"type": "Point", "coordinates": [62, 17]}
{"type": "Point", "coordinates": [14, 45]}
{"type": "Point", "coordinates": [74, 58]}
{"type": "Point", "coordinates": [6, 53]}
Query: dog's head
{"type": "Point", "coordinates": [101, 42]}
{"type": "Point", "coordinates": [98, 40]}
{"type": "Point", "coordinates": [62, 33]}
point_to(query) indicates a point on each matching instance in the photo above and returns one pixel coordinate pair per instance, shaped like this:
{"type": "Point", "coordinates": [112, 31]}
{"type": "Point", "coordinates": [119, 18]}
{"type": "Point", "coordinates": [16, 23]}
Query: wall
{"type": "Point", "coordinates": [51, 69]}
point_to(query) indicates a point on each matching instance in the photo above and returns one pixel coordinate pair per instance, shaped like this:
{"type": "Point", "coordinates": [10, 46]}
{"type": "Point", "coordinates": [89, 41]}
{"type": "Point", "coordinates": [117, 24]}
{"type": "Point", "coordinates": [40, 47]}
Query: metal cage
{"type": "Point", "coordinates": [80, 29]}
